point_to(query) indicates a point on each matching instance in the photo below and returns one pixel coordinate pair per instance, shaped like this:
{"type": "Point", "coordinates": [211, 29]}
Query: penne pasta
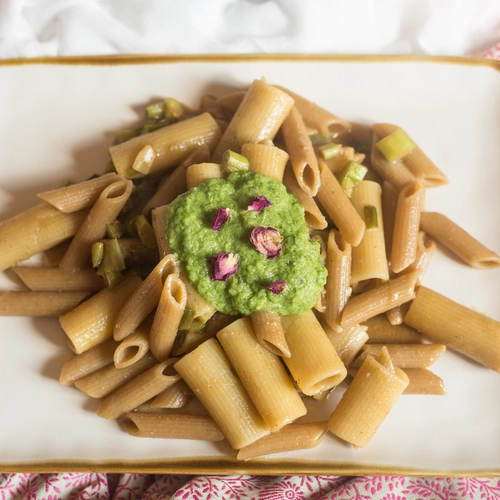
{"type": "Point", "coordinates": [158, 221]}
{"type": "Point", "coordinates": [40, 303]}
{"type": "Point", "coordinates": [339, 207]}
{"type": "Point", "coordinates": [289, 438]}
{"type": "Point", "coordinates": [269, 331]}
{"type": "Point", "coordinates": [133, 347]}
{"type": "Point", "coordinates": [262, 375]}
{"type": "Point", "coordinates": [348, 342]}
{"type": "Point", "coordinates": [381, 331]}
{"type": "Point", "coordinates": [302, 155]}
{"type": "Point", "coordinates": [171, 426]}
{"type": "Point", "coordinates": [199, 172]}
{"type": "Point", "coordinates": [79, 196]}
{"type": "Point", "coordinates": [450, 323]}
{"type": "Point", "coordinates": [266, 159]}
{"type": "Point", "coordinates": [378, 300]}
{"type": "Point", "coordinates": [313, 363]}
{"type": "Point", "coordinates": [104, 211]}
{"type": "Point", "coordinates": [139, 390]}
{"type": "Point", "coordinates": [175, 396]}
{"type": "Point", "coordinates": [171, 144]}
{"type": "Point", "coordinates": [368, 400]}
{"type": "Point", "coordinates": [81, 365]}
{"type": "Point", "coordinates": [209, 374]}
{"type": "Point", "coordinates": [258, 117]}
{"type": "Point", "coordinates": [35, 230]}
{"type": "Point", "coordinates": [458, 240]}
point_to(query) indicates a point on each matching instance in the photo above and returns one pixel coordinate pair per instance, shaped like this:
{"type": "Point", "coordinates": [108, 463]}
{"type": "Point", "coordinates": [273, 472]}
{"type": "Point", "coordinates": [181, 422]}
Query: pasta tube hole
{"type": "Point", "coordinates": [130, 426]}
{"type": "Point", "coordinates": [127, 355]}
{"type": "Point", "coordinates": [116, 190]}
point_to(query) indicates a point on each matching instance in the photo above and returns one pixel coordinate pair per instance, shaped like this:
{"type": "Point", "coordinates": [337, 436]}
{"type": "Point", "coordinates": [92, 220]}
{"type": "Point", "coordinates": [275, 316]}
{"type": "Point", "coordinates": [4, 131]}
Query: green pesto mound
{"type": "Point", "coordinates": [194, 242]}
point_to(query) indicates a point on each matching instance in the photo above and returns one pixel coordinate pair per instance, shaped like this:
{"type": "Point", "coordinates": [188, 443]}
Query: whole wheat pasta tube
{"type": "Point", "coordinates": [171, 426]}
{"type": "Point", "coordinates": [209, 374]}
{"type": "Point", "coordinates": [91, 322]}
{"type": "Point", "coordinates": [406, 226]}
{"type": "Point", "coordinates": [269, 331]}
{"type": "Point", "coordinates": [78, 196]}
{"type": "Point", "coordinates": [458, 240]}
{"type": "Point", "coordinates": [367, 400]}
{"type": "Point", "coordinates": [348, 342]}
{"type": "Point", "coordinates": [369, 260]}
{"type": "Point", "coordinates": [301, 151]}
{"type": "Point", "coordinates": [389, 202]}
{"type": "Point", "coordinates": [231, 101]}
{"type": "Point", "coordinates": [317, 118]}
{"type": "Point", "coordinates": [143, 387]}
{"type": "Point", "coordinates": [171, 144]}
{"type": "Point", "coordinates": [175, 184]}
{"type": "Point", "coordinates": [339, 207]}
{"type": "Point", "coordinates": [175, 396]}
{"type": "Point", "coordinates": [34, 231]}
{"type": "Point", "coordinates": [144, 299]}
{"type": "Point", "coordinates": [381, 331]}
{"type": "Point", "coordinates": [108, 379]}
{"type": "Point", "coordinates": [81, 365]}
{"type": "Point", "coordinates": [421, 381]}
{"type": "Point", "coordinates": [404, 355]}
{"type": "Point", "coordinates": [105, 210]}
{"type": "Point", "coordinates": [378, 300]}
{"type": "Point", "coordinates": [54, 279]}
{"type": "Point", "coordinates": [171, 305]}
{"type": "Point", "coordinates": [262, 375]}
{"type": "Point", "coordinates": [450, 323]}
{"type": "Point", "coordinates": [158, 221]}
{"type": "Point", "coordinates": [258, 117]}
{"type": "Point", "coordinates": [133, 347]}
{"type": "Point", "coordinates": [266, 159]}
{"type": "Point", "coordinates": [199, 172]}
{"type": "Point", "coordinates": [313, 215]}
{"type": "Point", "coordinates": [202, 309]}
{"type": "Point", "coordinates": [40, 303]}
{"type": "Point", "coordinates": [314, 363]}
{"type": "Point", "coordinates": [394, 172]}
{"type": "Point", "coordinates": [289, 438]}
{"type": "Point", "coordinates": [337, 288]}
{"type": "Point", "coordinates": [416, 160]}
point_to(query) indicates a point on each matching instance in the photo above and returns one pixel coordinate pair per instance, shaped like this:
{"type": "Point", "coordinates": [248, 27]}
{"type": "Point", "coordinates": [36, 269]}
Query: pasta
{"type": "Point", "coordinates": [166, 362]}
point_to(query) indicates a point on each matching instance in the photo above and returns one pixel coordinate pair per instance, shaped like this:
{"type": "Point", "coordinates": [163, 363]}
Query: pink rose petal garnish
{"type": "Point", "coordinates": [259, 203]}
{"type": "Point", "coordinates": [221, 218]}
{"type": "Point", "coordinates": [267, 241]}
{"type": "Point", "coordinates": [223, 266]}
{"type": "Point", "coordinates": [277, 287]}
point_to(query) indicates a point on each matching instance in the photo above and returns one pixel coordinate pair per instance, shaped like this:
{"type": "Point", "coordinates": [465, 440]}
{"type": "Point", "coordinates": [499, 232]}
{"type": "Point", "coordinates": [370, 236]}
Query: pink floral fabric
{"type": "Point", "coordinates": [101, 486]}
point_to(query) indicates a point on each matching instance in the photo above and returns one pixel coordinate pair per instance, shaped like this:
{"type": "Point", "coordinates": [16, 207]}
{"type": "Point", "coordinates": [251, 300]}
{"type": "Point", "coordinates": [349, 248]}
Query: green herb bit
{"type": "Point", "coordinates": [155, 111]}
{"type": "Point", "coordinates": [395, 146]}
{"type": "Point", "coordinates": [115, 230]}
{"type": "Point", "coordinates": [97, 253]}
{"type": "Point", "coordinates": [330, 150]}
{"type": "Point", "coordinates": [319, 139]}
{"type": "Point", "coordinates": [152, 126]}
{"type": "Point", "coordinates": [112, 278]}
{"type": "Point", "coordinates": [130, 226]}
{"type": "Point", "coordinates": [112, 259]}
{"type": "Point", "coordinates": [187, 319]}
{"type": "Point", "coordinates": [371, 217]}
{"type": "Point", "coordinates": [234, 162]}
{"type": "Point", "coordinates": [196, 326]}
{"type": "Point", "coordinates": [172, 108]}
{"type": "Point", "coordinates": [145, 232]}
{"type": "Point", "coordinates": [350, 175]}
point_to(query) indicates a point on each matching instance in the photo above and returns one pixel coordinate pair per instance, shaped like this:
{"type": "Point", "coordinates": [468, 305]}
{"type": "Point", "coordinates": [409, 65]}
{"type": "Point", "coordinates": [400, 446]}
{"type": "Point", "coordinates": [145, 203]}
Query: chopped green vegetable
{"type": "Point", "coordinates": [234, 162]}
{"type": "Point", "coordinates": [330, 150]}
{"type": "Point", "coordinates": [97, 253]}
{"type": "Point", "coordinates": [145, 231]}
{"type": "Point", "coordinates": [112, 278]}
{"type": "Point", "coordinates": [155, 111]}
{"type": "Point", "coordinates": [172, 108]}
{"type": "Point", "coordinates": [395, 146]}
{"type": "Point", "coordinates": [112, 259]}
{"type": "Point", "coordinates": [320, 140]}
{"type": "Point", "coordinates": [187, 319]}
{"type": "Point", "coordinates": [371, 217]}
{"type": "Point", "coordinates": [350, 175]}
{"type": "Point", "coordinates": [115, 230]}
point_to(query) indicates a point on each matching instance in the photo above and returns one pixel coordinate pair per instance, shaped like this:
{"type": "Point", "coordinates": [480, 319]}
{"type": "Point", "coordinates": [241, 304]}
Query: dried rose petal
{"type": "Point", "coordinates": [267, 241]}
{"type": "Point", "coordinates": [259, 203]}
{"type": "Point", "coordinates": [223, 266]}
{"type": "Point", "coordinates": [221, 218]}
{"type": "Point", "coordinates": [277, 287]}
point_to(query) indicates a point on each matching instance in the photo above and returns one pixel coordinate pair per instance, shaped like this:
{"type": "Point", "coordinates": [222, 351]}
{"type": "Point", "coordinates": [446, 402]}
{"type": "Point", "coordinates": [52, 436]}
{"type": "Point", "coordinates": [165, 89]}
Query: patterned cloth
{"type": "Point", "coordinates": [101, 486]}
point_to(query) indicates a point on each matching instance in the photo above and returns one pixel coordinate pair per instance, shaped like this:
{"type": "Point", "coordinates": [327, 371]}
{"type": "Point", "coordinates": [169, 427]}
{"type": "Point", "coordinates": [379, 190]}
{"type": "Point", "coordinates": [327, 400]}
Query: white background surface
{"type": "Point", "coordinates": [31, 28]}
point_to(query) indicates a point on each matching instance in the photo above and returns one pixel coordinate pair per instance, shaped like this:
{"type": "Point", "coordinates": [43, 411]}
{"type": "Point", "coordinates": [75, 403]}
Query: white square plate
{"type": "Point", "coordinates": [58, 119]}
